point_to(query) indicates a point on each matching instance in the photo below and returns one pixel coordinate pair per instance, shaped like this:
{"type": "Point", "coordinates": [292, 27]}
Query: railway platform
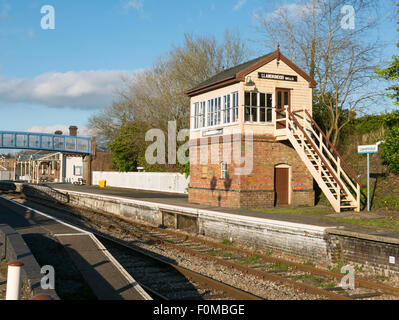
{"type": "Point", "coordinates": [327, 218]}
{"type": "Point", "coordinates": [75, 254]}
{"type": "Point", "coordinates": [317, 234]}
{"type": "Point", "coordinates": [312, 234]}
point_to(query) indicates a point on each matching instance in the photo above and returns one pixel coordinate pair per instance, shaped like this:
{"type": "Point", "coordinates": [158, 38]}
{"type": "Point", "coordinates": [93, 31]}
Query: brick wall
{"type": "Point", "coordinates": [102, 161]}
{"type": "Point", "coordinates": [369, 251]}
{"type": "Point", "coordinates": [253, 190]}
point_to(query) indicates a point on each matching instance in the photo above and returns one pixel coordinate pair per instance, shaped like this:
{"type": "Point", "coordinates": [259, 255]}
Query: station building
{"type": "Point", "coordinates": [264, 97]}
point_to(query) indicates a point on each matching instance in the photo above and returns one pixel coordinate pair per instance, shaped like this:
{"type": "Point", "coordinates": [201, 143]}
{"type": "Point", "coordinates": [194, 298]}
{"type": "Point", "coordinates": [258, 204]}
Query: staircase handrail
{"type": "Point", "coordinates": [315, 149]}
{"type": "Point", "coordinates": [334, 150]}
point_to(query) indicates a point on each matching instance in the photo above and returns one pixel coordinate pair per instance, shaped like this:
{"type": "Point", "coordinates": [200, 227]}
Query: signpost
{"type": "Point", "coordinates": [373, 149]}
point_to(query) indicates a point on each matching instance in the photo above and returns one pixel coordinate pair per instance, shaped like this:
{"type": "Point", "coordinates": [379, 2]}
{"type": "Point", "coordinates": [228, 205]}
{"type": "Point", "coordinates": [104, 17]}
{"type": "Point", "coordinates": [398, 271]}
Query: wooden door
{"type": "Point", "coordinates": [282, 176]}
{"type": "Point", "coordinates": [283, 98]}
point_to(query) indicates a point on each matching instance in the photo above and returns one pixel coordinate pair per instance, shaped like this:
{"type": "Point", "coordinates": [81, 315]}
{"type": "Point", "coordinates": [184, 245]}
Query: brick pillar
{"type": "Point", "coordinates": [87, 170]}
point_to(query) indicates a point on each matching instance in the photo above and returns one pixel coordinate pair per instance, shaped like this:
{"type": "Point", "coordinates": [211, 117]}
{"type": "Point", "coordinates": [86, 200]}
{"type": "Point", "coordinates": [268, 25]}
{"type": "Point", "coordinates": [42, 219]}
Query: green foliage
{"type": "Point", "coordinates": [128, 148]}
{"type": "Point", "coordinates": [366, 124]}
{"type": "Point", "coordinates": [390, 150]}
{"type": "Point", "coordinates": [392, 73]}
{"type": "Point", "coordinates": [391, 119]}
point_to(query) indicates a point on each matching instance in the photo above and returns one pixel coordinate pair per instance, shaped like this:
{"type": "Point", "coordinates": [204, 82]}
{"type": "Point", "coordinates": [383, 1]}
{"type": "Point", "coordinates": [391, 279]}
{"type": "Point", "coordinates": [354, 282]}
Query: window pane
{"type": "Point", "coordinates": [262, 101]}
{"type": "Point", "coordinates": [269, 115]}
{"type": "Point", "coordinates": [254, 114]}
{"type": "Point", "coordinates": [34, 141]}
{"type": "Point", "coordinates": [247, 114]}
{"type": "Point", "coordinates": [70, 144]}
{"type": "Point", "coordinates": [279, 100]}
{"type": "Point", "coordinates": [286, 100]}
{"type": "Point", "coordinates": [269, 101]}
{"type": "Point", "coordinates": [47, 142]}
{"type": "Point", "coordinates": [8, 140]}
{"type": "Point", "coordinates": [22, 140]}
{"type": "Point", "coordinates": [59, 143]}
{"type": "Point", "coordinates": [254, 100]}
{"type": "Point", "coordinates": [247, 99]}
{"type": "Point", "coordinates": [83, 145]}
{"type": "Point", "coordinates": [262, 115]}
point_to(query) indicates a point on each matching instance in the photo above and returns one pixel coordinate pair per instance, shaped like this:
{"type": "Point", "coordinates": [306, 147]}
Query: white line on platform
{"type": "Point", "coordinates": [71, 234]}
{"type": "Point", "coordinates": [122, 270]}
{"type": "Point", "coordinates": [118, 266]}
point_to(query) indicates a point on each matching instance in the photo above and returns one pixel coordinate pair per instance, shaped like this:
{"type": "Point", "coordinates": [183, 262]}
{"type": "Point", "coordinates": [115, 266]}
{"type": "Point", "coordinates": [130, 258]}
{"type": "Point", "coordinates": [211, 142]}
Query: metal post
{"type": "Point", "coordinates": [14, 281]}
{"type": "Point", "coordinates": [368, 182]}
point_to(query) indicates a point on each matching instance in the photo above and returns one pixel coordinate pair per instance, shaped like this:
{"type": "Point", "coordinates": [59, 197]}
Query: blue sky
{"type": "Point", "coordinates": [53, 78]}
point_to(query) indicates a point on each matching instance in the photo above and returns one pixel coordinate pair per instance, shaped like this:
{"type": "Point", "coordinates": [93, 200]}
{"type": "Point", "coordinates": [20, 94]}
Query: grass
{"type": "Point", "coordinates": [249, 260]}
{"type": "Point", "coordinates": [220, 253]}
{"type": "Point", "coordinates": [3, 267]}
{"type": "Point", "coordinates": [278, 267]}
{"type": "Point", "coordinates": [269, 253]}
{"type": "Point", "coordinates": [389, 223]}
{"type": "Point", "coordinates": [227, 242]}
{"type": "Point", "coordinates": [316, 281]}
{"type": "Point", "coordinates": [337, 268]}
{"type": "Point", "coordinates": [296, 211]}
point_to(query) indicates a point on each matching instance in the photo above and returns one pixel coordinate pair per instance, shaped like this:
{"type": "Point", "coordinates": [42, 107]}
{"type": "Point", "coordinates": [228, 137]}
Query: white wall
{"type": "Point", "coordinates": [151, 181]}
{"type": "Point", "coordinates": [4, 175]}
{"type": "Point", "coordinates": [70, 163]}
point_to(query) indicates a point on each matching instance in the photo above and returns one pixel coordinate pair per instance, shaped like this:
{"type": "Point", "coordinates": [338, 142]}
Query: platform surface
{"type": "Point", "coordinates": [61, 245]}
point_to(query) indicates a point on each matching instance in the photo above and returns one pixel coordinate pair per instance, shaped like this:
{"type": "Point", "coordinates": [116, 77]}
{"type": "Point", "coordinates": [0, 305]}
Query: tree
{"type": "Point", "coordinates": [157, 95]}
{"type": "Point", "coordinates": [392, 74]}
{"type": "Point", "coordinates": [317, 37]}
{"type": "Point", "coordinates": [390, 150]}
{"type": "Point", "coordinates": [127, 148]}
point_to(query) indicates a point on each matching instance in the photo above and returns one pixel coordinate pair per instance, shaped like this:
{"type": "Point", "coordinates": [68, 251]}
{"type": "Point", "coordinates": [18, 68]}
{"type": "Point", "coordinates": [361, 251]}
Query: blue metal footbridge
{"type": "Point", "coordinates": [45, 142]}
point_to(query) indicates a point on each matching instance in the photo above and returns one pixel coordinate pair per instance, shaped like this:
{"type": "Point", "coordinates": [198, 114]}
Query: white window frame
{"type": "Point", "coordinates": [258, 108]}
{"type": "Point", "coordinates": [235, 109]}
{"type": "Point", "coordinates": [196, 115]}
{"type": "Point", "coordinates": [223, 170]}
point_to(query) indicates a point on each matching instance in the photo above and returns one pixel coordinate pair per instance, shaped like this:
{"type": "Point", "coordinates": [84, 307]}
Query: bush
{"type": "Point", "coordinates": [390, 150]}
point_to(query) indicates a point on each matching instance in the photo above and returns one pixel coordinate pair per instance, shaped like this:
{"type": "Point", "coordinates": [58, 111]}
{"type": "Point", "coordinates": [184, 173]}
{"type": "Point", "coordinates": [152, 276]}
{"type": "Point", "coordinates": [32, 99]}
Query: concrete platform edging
{"type": "Point", "coordinates": [299, 239]}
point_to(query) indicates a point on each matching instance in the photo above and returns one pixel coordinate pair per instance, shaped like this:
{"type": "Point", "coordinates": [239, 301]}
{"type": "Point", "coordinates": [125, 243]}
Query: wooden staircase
{"type": "Point", "coordinates": [331, 172]}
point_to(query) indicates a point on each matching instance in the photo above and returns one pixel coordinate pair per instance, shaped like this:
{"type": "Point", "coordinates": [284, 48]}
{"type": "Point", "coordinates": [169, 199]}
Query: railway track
{"type": "Point", "coordinates": [303, 278]}
{"type": "Point", "coordinates": [165, 280]}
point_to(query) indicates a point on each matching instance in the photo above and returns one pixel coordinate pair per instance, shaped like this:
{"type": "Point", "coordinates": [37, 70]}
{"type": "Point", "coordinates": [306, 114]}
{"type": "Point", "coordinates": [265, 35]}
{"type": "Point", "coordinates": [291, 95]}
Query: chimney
{"type": "Point", "coordinates": [73, 131]}
{"type": "Point", "coordinates": [58, 132]}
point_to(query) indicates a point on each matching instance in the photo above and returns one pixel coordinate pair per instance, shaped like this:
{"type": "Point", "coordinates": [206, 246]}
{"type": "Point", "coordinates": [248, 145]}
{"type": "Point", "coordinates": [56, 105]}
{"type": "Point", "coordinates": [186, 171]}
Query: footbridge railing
{"type": "Point", "coordinates": [45, 142]}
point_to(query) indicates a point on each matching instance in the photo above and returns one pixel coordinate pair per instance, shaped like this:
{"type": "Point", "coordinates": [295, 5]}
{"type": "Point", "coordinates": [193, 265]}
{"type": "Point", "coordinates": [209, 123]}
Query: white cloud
{"type": "Point", "coordinates": [135, 4]}
{"type": "Point", "coordinates": [82, 132]}
{"type": "Point", "coordinates": [79, 90]}
{"type": "Point", "coordinates": [294, 11]}
{"type": "Point", "coordinates": [239, 4]}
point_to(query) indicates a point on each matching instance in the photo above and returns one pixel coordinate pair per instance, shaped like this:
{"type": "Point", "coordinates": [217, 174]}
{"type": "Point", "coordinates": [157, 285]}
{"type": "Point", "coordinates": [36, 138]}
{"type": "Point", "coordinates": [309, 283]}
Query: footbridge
{"type": "Point", "coordinates": [45, 142]}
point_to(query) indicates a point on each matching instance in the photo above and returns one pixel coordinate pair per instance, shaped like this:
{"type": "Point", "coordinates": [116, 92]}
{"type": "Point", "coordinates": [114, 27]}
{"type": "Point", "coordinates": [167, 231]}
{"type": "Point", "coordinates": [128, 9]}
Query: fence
{"type": "Point", "coordinates": [150, 181]}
